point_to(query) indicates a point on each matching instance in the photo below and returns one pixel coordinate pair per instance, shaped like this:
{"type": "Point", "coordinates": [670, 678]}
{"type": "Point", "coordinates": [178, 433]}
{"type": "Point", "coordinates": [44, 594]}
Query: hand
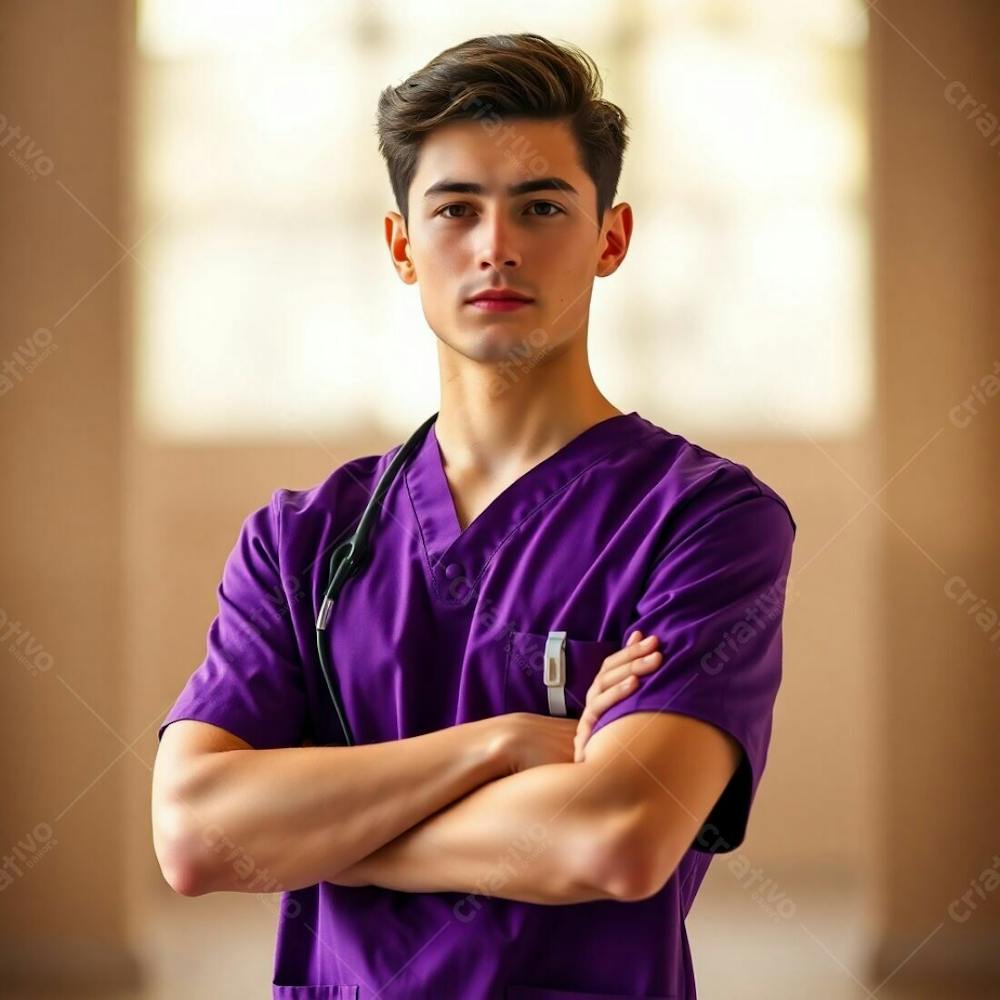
{"type": "Point", "coordinates": [616, 679]}
{"type": "Point", "coordinates": [527, 739]}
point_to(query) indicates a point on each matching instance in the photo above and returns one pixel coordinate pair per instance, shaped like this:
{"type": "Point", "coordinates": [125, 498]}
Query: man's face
{"type": "Point", "coordinates": [546, 244]}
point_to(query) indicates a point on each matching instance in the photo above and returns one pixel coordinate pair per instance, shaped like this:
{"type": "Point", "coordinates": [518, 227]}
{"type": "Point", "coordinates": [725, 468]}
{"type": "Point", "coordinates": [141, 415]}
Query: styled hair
{"type": "Point", "coordinates": [504, 76]}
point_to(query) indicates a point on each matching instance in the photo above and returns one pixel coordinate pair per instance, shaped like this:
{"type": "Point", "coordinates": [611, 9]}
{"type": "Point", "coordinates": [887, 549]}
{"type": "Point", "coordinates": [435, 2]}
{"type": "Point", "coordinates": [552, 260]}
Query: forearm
{"type": "Point", "coordinates": [299, 813]}
{"type": "Point", "coordinates": [544, 835]}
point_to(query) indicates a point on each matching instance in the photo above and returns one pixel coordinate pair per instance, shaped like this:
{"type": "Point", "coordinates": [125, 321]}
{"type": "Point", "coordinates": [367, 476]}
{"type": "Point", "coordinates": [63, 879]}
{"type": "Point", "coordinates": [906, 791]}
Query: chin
{"type": "Point", "coordinates": [517, 344]}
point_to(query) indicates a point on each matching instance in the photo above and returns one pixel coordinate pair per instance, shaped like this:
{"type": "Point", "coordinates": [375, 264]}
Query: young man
{"type": "Point", "coordinates": [534, 789]}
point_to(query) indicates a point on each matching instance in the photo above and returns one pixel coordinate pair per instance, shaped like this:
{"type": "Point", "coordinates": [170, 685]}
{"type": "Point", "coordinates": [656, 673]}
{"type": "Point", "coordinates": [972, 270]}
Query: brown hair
{"type": "Point", "coordinates": [521, 75]}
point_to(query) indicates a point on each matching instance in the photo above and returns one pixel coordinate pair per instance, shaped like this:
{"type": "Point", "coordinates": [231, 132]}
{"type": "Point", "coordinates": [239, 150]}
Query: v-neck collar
{"type": "Point", "coordinates": [459, 556]}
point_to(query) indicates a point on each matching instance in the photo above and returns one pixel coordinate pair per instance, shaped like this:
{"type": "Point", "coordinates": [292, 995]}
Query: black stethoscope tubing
{"type": "Point", "coordinates": [350, 556]}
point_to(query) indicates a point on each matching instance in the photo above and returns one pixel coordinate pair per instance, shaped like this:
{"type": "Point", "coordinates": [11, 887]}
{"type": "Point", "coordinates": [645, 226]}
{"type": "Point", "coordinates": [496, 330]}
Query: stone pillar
{"type": "Point", "coordinates": [63, 382]}
{"type": "Point", "coordinates": [935, 89]}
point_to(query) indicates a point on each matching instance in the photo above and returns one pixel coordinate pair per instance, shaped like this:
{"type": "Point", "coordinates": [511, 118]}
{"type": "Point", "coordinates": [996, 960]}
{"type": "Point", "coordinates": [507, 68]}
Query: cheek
{"type": "Point", "coordinates": [442, 263]}
{"type": "Point", "coordinates": [563, 257]}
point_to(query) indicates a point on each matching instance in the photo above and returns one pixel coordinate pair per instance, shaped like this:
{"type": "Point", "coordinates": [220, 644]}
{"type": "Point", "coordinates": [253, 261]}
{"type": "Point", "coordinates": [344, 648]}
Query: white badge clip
{"type": "Point", "coordinates": [555, 672]}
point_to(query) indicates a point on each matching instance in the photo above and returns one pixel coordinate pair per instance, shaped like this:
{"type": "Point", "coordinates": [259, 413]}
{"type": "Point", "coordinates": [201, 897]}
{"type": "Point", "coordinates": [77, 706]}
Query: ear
{"type": "Point", "coordinates": [615, 238]}
{"type": "Point", "coordinates": [399, 247]}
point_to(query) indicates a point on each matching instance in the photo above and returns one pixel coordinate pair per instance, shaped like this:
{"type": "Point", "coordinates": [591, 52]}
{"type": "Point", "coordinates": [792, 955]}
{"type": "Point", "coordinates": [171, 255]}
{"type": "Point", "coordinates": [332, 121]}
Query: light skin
{"type": "Point", "coordinates": [515, 386]}
{"type": "Point", "coordinates": [614, 826]}
{"type": "Point", "coordinates": [605, 817]}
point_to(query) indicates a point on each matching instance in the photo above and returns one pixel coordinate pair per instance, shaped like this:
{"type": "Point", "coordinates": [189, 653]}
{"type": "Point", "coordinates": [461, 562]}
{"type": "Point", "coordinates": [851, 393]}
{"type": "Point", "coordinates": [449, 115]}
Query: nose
{"type": "Point", "coordinates": [497, 250]}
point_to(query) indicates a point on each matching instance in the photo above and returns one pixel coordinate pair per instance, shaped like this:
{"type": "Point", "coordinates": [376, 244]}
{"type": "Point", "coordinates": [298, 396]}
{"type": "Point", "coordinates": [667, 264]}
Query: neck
{"type": "Point", "coordinates": [501, 414]}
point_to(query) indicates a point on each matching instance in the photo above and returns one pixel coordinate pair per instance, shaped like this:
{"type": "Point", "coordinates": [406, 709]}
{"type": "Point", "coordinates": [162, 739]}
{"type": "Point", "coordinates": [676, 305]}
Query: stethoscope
{"type": "Point", "coordinates": [349, 557]}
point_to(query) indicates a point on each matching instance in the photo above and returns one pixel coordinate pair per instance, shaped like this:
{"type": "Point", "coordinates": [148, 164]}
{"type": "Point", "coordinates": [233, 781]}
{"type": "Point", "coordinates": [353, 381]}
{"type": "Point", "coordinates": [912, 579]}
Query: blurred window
{"type": "Point", "coordinates": [267, 305]}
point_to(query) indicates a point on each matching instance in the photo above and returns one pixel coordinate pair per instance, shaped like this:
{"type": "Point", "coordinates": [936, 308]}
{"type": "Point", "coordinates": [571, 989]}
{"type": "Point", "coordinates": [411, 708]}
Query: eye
{"type": "Point", "coordinates": [550, 204]}
{"type": "Point", "coordinates": [455, 204]}
{"type": "Point", "coordinates": [444, 211]}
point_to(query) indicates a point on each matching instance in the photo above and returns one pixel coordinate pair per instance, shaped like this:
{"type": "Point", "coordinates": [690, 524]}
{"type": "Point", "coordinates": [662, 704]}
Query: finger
{"type": "Point", "coordinates": [608, 678]}
{"type": "Point", "coordinates": [594, 710]}
{"type": "Point", "coordinates": [583, 728]}
{"type": "Point", "coordinates": [639, 650]}
{"type": "Point", "coordinates": [635, 646]}
{"type": "Point", "coordinates": [631, 651]}
{"type": "Point", "coordinates": [600, 703]}
{"type": "Point", "coordinates": [580, 739]}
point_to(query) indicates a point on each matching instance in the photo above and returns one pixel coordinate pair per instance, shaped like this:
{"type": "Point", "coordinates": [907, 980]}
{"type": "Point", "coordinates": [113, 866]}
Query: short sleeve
{"type": "Point", "coordinates": [716, 598]}
{"type": "Point", "coordinates": [251, 680]}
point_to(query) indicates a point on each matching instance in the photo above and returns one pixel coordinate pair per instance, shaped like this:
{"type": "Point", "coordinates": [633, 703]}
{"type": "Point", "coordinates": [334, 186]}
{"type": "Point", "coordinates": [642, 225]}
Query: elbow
{"type": "Point", "coordinates": [629, 859]}
{"type": "Point", "coordinates": [635, 878]}
{"type": "Point", "coordinates": [182, 879]}
{"type": "Point", "coordinates": [178, 852]}
{"type": "Point", "coordinates": [633, 887]}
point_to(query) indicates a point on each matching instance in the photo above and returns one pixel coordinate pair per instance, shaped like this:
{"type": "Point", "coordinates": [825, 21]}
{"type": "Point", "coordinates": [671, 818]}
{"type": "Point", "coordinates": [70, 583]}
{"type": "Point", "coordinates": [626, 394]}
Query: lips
{"type": "Point", "coordinates": [499, 300]}
{"type": "Point", "coordinates": [496, 304]}
{"type": "Point", "coordinates": [501, 295]}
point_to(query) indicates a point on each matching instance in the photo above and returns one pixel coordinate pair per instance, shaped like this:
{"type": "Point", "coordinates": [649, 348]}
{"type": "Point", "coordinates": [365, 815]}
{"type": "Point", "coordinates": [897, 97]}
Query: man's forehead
{"type": "Point", "coordinates": [497, 157]}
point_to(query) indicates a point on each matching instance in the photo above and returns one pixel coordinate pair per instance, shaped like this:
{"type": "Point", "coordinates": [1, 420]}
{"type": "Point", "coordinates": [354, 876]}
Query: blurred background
{"type": "Point", "coordinates": [196, 309]}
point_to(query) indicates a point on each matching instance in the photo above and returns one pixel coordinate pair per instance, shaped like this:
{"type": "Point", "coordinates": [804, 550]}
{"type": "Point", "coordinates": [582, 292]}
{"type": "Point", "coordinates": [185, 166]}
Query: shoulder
{"type": "Point", "coordinates": [327, 507]}
{"type": "Point", "coordinates": [699, 484]}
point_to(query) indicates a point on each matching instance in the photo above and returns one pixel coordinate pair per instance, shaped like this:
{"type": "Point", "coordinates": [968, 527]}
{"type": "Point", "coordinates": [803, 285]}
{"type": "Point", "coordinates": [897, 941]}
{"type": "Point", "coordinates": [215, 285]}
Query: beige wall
{"type": "Point", "coordinates": [937, 204]}
{"type": "Point", "coordinates": [63, 434]}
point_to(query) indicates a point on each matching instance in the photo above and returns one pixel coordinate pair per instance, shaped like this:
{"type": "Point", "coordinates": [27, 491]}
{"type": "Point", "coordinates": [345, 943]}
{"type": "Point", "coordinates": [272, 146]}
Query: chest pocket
{"type": "Point", "coordinates": [525, 687]}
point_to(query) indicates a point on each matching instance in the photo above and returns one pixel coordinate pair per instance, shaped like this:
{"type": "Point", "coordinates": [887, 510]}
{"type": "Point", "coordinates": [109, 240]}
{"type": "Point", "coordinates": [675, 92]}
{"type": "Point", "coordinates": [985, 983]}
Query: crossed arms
{"type": "Point", "coordinates": [501, 806]}
{"type": "Point", "coordinates": [613, 826]}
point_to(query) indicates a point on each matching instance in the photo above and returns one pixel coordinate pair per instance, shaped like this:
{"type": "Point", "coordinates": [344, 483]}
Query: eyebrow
{"type": "Point", "coordinates": [525, 187]}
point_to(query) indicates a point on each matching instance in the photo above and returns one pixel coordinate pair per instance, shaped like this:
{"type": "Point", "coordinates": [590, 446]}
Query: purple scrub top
{"type": "Point", "coordinates": [626, 526]}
